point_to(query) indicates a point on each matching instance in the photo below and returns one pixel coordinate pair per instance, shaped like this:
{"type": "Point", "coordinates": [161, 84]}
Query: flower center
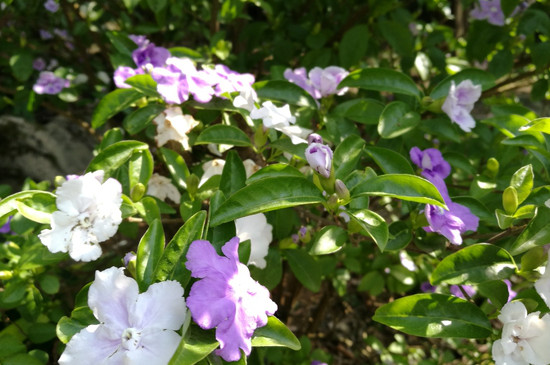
{"type": "Point", "coordinates": [130, 339]}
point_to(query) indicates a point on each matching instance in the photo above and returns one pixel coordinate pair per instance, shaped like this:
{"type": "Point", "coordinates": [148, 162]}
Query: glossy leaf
{"type": "Point", "coordinates": [347, 155]}
{"type": "Point", "coordinates": [285, 91]}
{"type": "Point", "coordinates": [223, 134]}
{"type": "Point", "coordinates": [473, 265]}
{"type": "Point", "coordinates": [373, 225]}
{"type": "Point", "coordinates": [389, 161]}
{"type": "Point", "coordinates": [477, 76]}
{"type": "Point", "coordinates": [114, 156]}
{"type": "Point", "coordinates": [112, 103]}
{"type": "Point", "coordinates": [144, 84]}
{"type": "Point", "coordinates": [275, 170]}
{"type": "Point", "coordinates": [365, 111]}
{"type": "Point", "coordinates": [10, 203]}
{"type": "Point", "coordinates": [435, 315]}
{"type": "Point", "coordinates": [265, 195]}
{"type": "Point", "coordinates": [140, 168]}
{"type": "Point", "coordinates": [305, 268]}
{"type": "Point", "coordinates": [537, 125]}
{"type": "Point", "coordinates": [382, 79]}
{"type": "Point", "coordinates": [233, 174]}
{"type": "Point", "coordinates": [137, 120]}
{"type": "Point", "coordinates": [149, 252]}
{"type": "Point", "coordinates": [329, 240]}
{"type": "Point", "coordinates": [176, 166]}
{"type": "Point", "coordinates": [401, 186]}
{"type": "Point", "coordinates": [194, 348]}
{"type": "Point", "coordinates": [537, 233]}
{"type": "Point", "coordinates": [275, 334]}
{"type": "Point", "coordinates": [353, 45]}
{"type": "Point", "coordinates": [396, 119]}
{"type": "Point", "coordinates": [522, 181]}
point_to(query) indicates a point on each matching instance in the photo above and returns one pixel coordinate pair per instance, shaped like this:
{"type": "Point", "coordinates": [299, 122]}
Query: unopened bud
{"type": "Point", "coordinates": [137, 192]}
{"type": "Point", "coordinates": [6, 274]}
{"type": "Point", "coordinates": [314, 138]}
{"type": "Point", "coordinates": [319, 157]}
{"type": "Point", "coordinates": [492, 167]}
{"type": "Point", "coordinates": [129, 262]}
{"type": "Point", "coordinates": [59, 180]}
{"type": "Point", "coordinates": [341, 190]}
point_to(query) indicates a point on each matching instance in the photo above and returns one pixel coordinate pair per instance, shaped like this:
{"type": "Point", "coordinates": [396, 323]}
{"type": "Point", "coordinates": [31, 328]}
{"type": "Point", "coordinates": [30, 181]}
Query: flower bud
{"type": "Point", "coordinates": [129, 261]}
{"type": "Point", "coordinates": [137, 192]}
{"type": "Point", "coordinates": [319, 157]}
{"type": "Point", "coordinates": [314, 138]}
{"type": "Point", "coordinates": [492, 167]}
{"type": "Point", "coordinates": [341, 190]}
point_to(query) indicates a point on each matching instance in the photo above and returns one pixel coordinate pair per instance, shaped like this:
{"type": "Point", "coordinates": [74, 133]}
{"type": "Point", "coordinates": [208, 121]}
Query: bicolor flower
{"type": "Point", "coordinates": [173, 125]}
{"type": "Point", "coordinates": [260, 233]}
{"type": "Point", "coordinates": [122, 73]}
{"type": "Point", "coordinates": [133, 328]}
{"type": "Point", "coordinates": [460, 102]}
{"type": "Point", "coordinates": [525, 337]}
{"type": "Point", "coordinates": [319, 157]}
{"type": "Point", "coordinates": [162, 188]}
{"type": "Point", "coordinates": [226, 297]}
{"type": "Point", "coordinates": [48, 83]}
{"type": "Point", "coordinates": [280, 119]}
{"type": "Point", "coordinates": [88, 213]}
{"type": "Point", "coordinates": [149, 54]}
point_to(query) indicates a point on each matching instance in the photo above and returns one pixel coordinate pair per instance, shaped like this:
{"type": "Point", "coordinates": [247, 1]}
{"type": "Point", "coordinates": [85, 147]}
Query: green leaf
{"type": "Point", "coordinates": [21, 359]}
{"type": "Point", "coordinates": [49, 284]}
{"type": "Point", "coordinates": [537, 233]}
{"type": "Point", "coordinates": [114, 156]}
{"type": "Point", "coordinates": [233, 174]}
{"type": "Point", "coordinates": [398, 36]}
{"type": "Point", "coordinates": [171, 265]}
{"type": "Point", "coordinates": [147, 207]}
{"type": "Point", "coordinates": [305, 268]}
{"type": "Point", "coordinates": [140, 168]}
{"type": "Point", "coordinates": [346, 155]}
{"type": "Point", "coordinates": [473, 265]}
{"type": "Point", "coordinates": [329, 240]}
{"type": "Point", "coordinates": [67, 328]}
{"type": "Point", "coordinates": [537, 125]}
{"type": "Point", "coordinates": [11, 203]}
{"type": "Point", "coordinates": [144, 84]}
{"type": "Point", "coordinates": [149, 252]}
{"type": "Point", "coordinates": [110, 137]}
{"type": "Point", "coordinates": [21, 65]}
{"type": "Point", "coordinates": [435, 315]}
{"type": "Point", "coordinates": [496, 291]}
{"type": "Point", "coordinates": [365, 111]}
{"type": "Point", "coordinates": [194, 348]}
{"type": "Point", "coordinates": [176, 166]}
{"type": "Point", "coordinates": [112, 103]}
{"type": "Point", "coordinates": [285, 91]}
{"type": "Point", "coordinates": [156, 5]}
{"type": "Point", "coordinates": [131, 4]}
{"type": "Point", "coordinates": [353, 46]}
{"type": "Point", "coordinates": [401, 186]}
{"type": "Point", "coordinates": [475, 75]}
{"type": "Point", "coordinates": [373, 225]}
{"type": "Point", "coordinates": [389, 161]}
{"type": "Point", "coordinates": [10, 345]}
{"type": "Point", "coordinates": [396, 119]}
{"type": "Point", "coordinates": [382, 79]}
{"type": "Point", "coordinates": [522, 180]}
{"type": "Point", "coordinates": [275, 334]}
{"type": "Point", "coordinates": [223, 134]}
{"type": "Point", "coordinates": [120, 41]}
{"type": "Point", "coordinates": [265, 195]}
{"type": "Point", "coordinates": [275, 170]}
{"type": "Point", "coordinates": [137, 120]}
{"type": "Point", "coordinates": [37, 208]}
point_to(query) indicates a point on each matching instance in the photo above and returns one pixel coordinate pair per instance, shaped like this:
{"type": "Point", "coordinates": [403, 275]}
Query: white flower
{"type": "Point", "coordinates": [211, 168]}
{"type": "Point", "coordinates": [525, 337]}
{"type": "Point", "coordinates": [134, 328]}
{"type": "Point", "coordinates": [246, 100]}
{"type": "Point", "coordinates": [281, 120]}
{"type": "Point", "coordinates": [250, 167]}
{"type": "Point", "coordinates": [542, 285]}
{"type": "Point", "coordinates": [173, 125]}
{"type": "Point", "coordinates": [89, 213]}
{"type": "Point", "coordinates": [161, 187]}
{"type": "Point", "coordinates": [256, 229]}
{"type": "Point", "coordinates": [460, 102]}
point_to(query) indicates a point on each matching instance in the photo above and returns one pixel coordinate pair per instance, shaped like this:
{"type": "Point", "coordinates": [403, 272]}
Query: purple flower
{"type": "Point", "coordinates": [39, 64]}
{"type": "Point", "coordinates": [6, 228]}
{"type": "Point", "coordinates": [431, 162]}
{"type": "Point", "coordinates": [48, 83]}
{"type": "Point", "coordinates": [490, 10]}
{"type": "Point", "coordinates": [299, 77]}
{"type": "Point", "coordinates": [170, 84]}
{"type": "Point", "coordinates": [426, 287]}
{"type": "Point", "coordinates": [150, 54]}
{"type": "Point", "coordinates": [227, 80]}
{"type": "Point", "coordinates": [140, 40]}
{"type": "Point", "coordinates": [226, 297]}
{"type": "Point", "coordinates": [51, 6]}
{"type": "Point", "coordinates": [44, 34]}
{"type": "Point", "coordinates": [511, 293]}
{"type": "Point", "coordinates": [319, 157]}
{"type": "Point", "coordinates": [460, 102]}
{"type": "Point", "coordinates": [325, 81]}
{"type": "Point", "coordinates": [455, 290]}
{"type": "Point", "coordinates": [317, 362]}
{"type": "Point", "coordinates": [314, 138]}
{"type": "Point", "coordinates": [122, 73]}
{"type": "Point", "coordinates": [450, 223]}
{"type": "Point", "coordinates": [61, 33]}
{"type": "Point", "coordinates": [130, 256]}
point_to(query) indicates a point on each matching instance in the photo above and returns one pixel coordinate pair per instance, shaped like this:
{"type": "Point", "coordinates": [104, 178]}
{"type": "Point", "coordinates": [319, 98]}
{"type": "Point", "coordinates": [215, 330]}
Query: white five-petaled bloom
{"type": "Point", "coordinates": [215, 167]}
{"type": "Point", "coordinates": [173, 125]}
{"type": "Point", "coordinates": [256, 229]}
{"type": "Point", "coordinates": [246, 99]}
{"type": "Point", "coordinates": [134, 328]}
{"type": "Point", "coordinates": [281, 120]}
{"type": "Point", "coordinates": [542, 285]}
{"type": "Point", "coordinates": [525, 337]}
{"type": "Point", "coordinates": [460, 102]}
{"type": "Point", "coordinates": [161, 187]}
{"type": "Point", "coordinates": [88, 213]}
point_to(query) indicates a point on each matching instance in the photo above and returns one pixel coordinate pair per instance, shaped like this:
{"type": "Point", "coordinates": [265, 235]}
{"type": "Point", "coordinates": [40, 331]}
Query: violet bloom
{"type": "Point", "coordinates": [326, 81]}
{"type": "Point", "coordinates": [150, 54]}
{"type": "Point", "coordinates": [134, 328]}
{"type": "Point", "coordinates": [39, 64]}
{"type": "Point", "coordinates": [489, 10]}
{"type": "Point", "coordinates": [140, 40]}
{"type": "Point", "coordinates": [319, 157]}
{"type": "Point", "coordinates": [460, 102]}
{"type": "Point", "coordinates": [431, 162]}
{"type": "Point", "coordinates": [226, 297]}
{"type": "Point", "coordinates": [314, 138]}
{"type": "Point", "coordinates": [450, 223]}
{"type": "Point", "coordinates": [228, 81]}
{"type": "Point", "coordinates": [317, 362]}
{"type": "Point", "coordinates": [48, 83]}
{"type": "Point", "coordinates": [6, 228]}
{"type": "Point", "coordinates": [170, 84]}
{"type": "Point", "coordinates": [44, 34]}
{"type": "Point", "coordinates": [455, 290]}
{"type": "Point", "coordinates": [122, 73]}
{"type": "Point", "coordinates": [51, 6]}
{"type": "Point", "coordinates": [511, 293]}
{"type": "Point", "coordinates": [299, 77]}
{"type": "Point", "coordinates": [426, 287]}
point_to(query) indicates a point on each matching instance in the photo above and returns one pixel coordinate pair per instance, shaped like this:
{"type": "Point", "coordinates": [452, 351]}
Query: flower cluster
{"type": "Point", "coordinates": [48, 83]}
{"type": "Point", "coordinates": [134, 328]}
{"type": "Point", "coordinates": [321, 82]}
{"type": "Point", "coordinates": [226, 297]}
{"type": "Point", "coordinates": [458, 218]}
{"type": "Point", "coordinates": [460, 102]}
{"type": "Point", "coordinates": [88, 213]}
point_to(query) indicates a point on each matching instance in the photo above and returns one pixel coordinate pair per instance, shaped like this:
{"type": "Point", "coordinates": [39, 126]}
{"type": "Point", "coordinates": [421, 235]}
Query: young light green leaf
{"type": "Point", "coordinates": [522, 180]}
{"type": "Point", "coordinates": [149, 252]}
{"type": "Point", "coordinates": [396, 119]}
{"type": "Point", "coordinates": [346, 155]}
{"type": "Point", "coordinates": [114, 156]}
{"type": "Point", "coordinates": [389, 161]}
{"type": "Point", "coordinates": [473, 265]}
{"type": "Point", "coordinates": [285, 91]}
{"type": "Point", "coordinates": [382, 79]}
{"type": "Point", "coordinates": [112, 103]}
{"type": "Point", "coordinates": [137, 120]}
{"type": "Point", "coordinates": [223, 134]}
{"type": "Point", "coordinates": [10, 203]}
{"type": "Point", "coordinates": [329, 240]}
{"type": "Point", "coordinates": [305, 268]}
{"type": "Point", "coordinates": [401, 186]}
{"type": "Point", "coordinates": [265, 195]}
{"type": "Point", "coordinates": [373, 225]}
{"type": "Point", "coordinates": [275, 334]}
{"type": "Point", "coordinates": [475, 75]}
{"type": "Point", "coordinates": [140, 168]}
{"type": "Point", "coordinates": [537, 125]}
{"type": "Point", "coordinates": [435, 315]}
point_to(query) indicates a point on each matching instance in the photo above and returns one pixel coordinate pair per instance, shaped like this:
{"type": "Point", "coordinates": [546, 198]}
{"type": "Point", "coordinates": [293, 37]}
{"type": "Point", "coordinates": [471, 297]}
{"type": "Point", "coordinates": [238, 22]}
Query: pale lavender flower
{"type": "Point", "coordinates": [228, 81]}
{"type": "Point", "coordinates": [61, 33]}
{"type": "Point", "coordinates": [51, 6]}
{"type": "Point", "coordinates": [44, 34]}
{"type": "Point", "coordinates": [326, 81]}
{"type": "Point", "coordinates": [39, 64]}
{"type": "Point", "coordinates": [490, 10]}
{"type": "Point", "coordinates": [299, 77]}
{"type": "Point", "coordinates": [460, 102]}
{"type": "Point", "coordinates": [122, 73]}
{"type": "Point", "coordinates": [150, 54]}
{"type": "Point", "coordinates": [48, 83]}
{"type": "Point", "coordinates": [140, 40]}
{"type": "Point", "coordinates": [295, 238]}
{"type": "Point", "coordinates": [170, 84]}
{"type": "Point", "coordinates": [455, 290]}
{"type": "Point", "coordinates": [431, 162]}
{"type": "Point", "coordinates": [226, 297]}
{"type": "Point", "coordinates": [133, 328]}
{"type": "Point", "coordinates": [319, 157]}
{"type": "Point", "coordinates": [130, 256]}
